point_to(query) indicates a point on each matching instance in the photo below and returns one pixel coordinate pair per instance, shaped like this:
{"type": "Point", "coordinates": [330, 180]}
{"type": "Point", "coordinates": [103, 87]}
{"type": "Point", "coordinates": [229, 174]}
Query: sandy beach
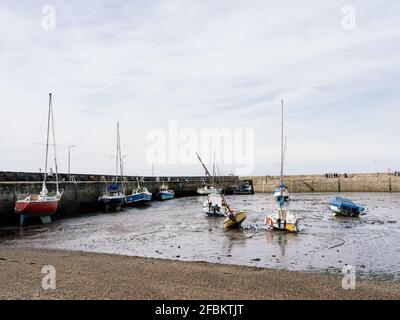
{"type": "Point", "coordinates": [82, 275]}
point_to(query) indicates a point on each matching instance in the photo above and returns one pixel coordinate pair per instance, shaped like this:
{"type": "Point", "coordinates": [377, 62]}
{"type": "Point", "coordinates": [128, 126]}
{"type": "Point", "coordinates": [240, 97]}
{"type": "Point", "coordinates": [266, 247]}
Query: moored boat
{"type": "Point", "coordinates": [283, 220]}
{"type": "Point", "coordinates": [214, 206]}
{"type": "Point", "coordinates": [140, 195]}
{"type": "Point", "coordinates": [165, 193]}
{"type": "Point", "coordinates": [206, 190]}
{"type": "Point", "coordinates": [233, 219]}
{"type": "Point", "coordinates": [345, 207]}
{"type": "Point", "coordinates": [114, 196]}
{"type": "Point", "coordinates": [281, 191]}
{"type": "Point", "coordinates": [243, 189]}
{"type": "Point", "coordinates": [42, 205]}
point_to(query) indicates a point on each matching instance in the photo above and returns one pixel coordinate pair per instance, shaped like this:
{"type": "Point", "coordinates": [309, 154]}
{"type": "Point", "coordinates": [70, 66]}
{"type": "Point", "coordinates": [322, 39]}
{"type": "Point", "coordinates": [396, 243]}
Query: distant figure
{"type": "Point", "coordinates": [51, 172]}
{"type": "Point", "coordinates": [40, 170]}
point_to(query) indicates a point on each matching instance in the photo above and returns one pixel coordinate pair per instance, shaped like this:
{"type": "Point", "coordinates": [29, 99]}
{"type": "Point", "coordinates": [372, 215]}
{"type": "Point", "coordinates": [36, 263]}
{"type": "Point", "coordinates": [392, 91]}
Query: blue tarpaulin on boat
{"type": "Point", "coordinates": [113, 187]}
{"type": "Point", "coordinates": [346, 206]}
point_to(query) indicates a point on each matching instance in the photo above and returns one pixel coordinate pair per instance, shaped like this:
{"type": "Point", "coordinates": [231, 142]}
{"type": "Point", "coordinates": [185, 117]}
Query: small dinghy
{"type": "Point", "coordinates": [214, 206]}
{"type": "Point", "coordinates": [345, 207]}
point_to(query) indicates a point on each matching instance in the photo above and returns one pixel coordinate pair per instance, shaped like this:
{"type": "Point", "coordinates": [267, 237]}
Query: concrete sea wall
{"type": "Point", "coordinates": [320, 183]}
{"type": "Point", "coordinates": [81, 194]}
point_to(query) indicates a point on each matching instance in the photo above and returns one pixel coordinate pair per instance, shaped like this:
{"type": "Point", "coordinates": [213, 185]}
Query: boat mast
{"type": "Point", "coordinates": [281, 198]}
{"type": "Point", "coordinates": [116, 158]}
{"type": "Point", "coordinates": [54, 142]}
{"type": "Point", "coordinates": [205, 168]}
{"type": "Point", "coordinates": [119, 154]}
{"type": "Point", "coordinates": [282, 147]}
{"type": "Point", "coordinates": [47, 143]}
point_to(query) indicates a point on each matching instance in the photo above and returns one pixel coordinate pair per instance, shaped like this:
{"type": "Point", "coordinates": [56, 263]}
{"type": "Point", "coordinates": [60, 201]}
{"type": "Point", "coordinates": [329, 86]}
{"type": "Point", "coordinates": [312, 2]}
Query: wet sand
{"type": "Point", "coordinates": [178, 230]}
{"type": "Point", "coordinates": [82, 275]}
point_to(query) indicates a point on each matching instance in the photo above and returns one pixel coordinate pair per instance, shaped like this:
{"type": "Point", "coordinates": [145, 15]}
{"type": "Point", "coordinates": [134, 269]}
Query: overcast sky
{"type": "Point", "coordinates": [202, 64]}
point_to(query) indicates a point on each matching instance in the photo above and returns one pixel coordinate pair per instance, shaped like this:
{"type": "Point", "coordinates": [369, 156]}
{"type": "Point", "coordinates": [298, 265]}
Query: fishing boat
{"type": "Point", "coordinates": [243, 189]}
{"type": "Point", "coordinates": [208, 189]}
{"type": "Point", "coordinates": [214, 206]}
{"type": "Point", "coordinates": [233, 219]}
{"type": "Point", "coordinates": [139, 195]}
{"type": "Point", "coordinates": [345, 207]}
{"type": "Point", "coordinates": [114, 196]}
{"type": "Point", "coordinates": [165, 193]}
{"type": "Point", "coordinates": [42, 205]}
{"type": "Point", "coordinates": [282, 190]}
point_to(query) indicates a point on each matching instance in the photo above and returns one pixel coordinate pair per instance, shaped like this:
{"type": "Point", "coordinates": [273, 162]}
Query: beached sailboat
{"type": "Point", "coordinates": [282, 190]}
{"type": "Point", "coordinates": [139, 195]}
{"type": "Point", "coordinates": [165, 193]}
{"type": "Point", "coordinates": [233, 219]}
{"type": "Point", "coordinates": [114, 196]}
{"type": "Point", "coordinates": [282, 219]}
{"type": "Point", "coordinates": [345, 207]}
{"type": "Point", "coordinates": [42, 205]}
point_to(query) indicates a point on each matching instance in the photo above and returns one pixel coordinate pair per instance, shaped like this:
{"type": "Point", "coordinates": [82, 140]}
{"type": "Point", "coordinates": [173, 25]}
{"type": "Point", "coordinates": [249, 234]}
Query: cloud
{"type": "Point", "coordinates": [205, 64]}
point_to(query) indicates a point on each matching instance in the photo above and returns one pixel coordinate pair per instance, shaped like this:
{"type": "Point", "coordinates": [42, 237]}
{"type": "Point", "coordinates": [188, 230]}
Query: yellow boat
{"type": "Point", "coordinates": [282, 220]}
{"type": "Point", "coordinates": [234, 220]}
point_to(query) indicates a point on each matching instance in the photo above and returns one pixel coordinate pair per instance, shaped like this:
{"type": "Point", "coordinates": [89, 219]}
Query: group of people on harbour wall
{"type": "Point", "coordinates": [336, 175]}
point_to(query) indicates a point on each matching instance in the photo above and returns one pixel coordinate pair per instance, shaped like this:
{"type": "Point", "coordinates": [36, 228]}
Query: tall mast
{"type": "Point", "coordinates": [204, 166]}
{"type": "Point", "coordinates": [116, 158]}
{"type": "Point", "coordinates": [120, 158]}
{"type": "Point", "coordinates": [54, 142]}
{"type": "Point", "coordinates": [282, 148]}
{"type": "Point", "coordinates": [47, 142]}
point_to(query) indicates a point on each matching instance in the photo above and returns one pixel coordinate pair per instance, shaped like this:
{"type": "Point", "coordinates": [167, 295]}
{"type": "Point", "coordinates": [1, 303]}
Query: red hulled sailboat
{"type": "Point", "coordinates": [42, 205]}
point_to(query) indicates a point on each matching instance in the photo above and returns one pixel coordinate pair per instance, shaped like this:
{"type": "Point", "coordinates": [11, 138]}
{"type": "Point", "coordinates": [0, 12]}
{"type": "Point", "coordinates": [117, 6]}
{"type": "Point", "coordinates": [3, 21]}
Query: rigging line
{"type": "Point", "coordinates": [47, 143]}
{"type": "Point", "coordinates": [54, 146]}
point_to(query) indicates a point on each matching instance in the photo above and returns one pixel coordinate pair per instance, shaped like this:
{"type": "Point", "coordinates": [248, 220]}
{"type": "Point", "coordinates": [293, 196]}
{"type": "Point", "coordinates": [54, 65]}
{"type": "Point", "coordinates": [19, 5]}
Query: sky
{"type": "Point", "coordinates": [175, 72]}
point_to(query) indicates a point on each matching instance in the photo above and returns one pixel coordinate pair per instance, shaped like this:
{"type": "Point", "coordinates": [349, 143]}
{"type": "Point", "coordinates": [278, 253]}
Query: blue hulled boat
{"type": "Point", "coordinates": [345, 207]}
{"type": "Point", "coordinates": [112, 197]}
{"type": "Point", "coordinates": [139, 196]}
{"type": "Point", "coordinates": [214, 206]}
{"type": "Point", "coordinates": [165, 194]}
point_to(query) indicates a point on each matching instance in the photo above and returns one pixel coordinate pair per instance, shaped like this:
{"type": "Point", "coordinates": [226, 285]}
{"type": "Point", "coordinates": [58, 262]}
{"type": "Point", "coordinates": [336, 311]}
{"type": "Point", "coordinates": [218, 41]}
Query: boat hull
{"type": "Point", "coordinates": [274, 222]}
{"type": "Point", "coordinates": [215, 214]}
{"type": "Point", "coordinates": [31, 209]}
{"type": "Point", "coordinates": [345, 207]}
{"type": "Point", "coordinates": [112, 203]}
{"type": "Point", "coordinates": [137, 199]}
{"type": "Point", "coordinates": [166, 196]}
{"type": "Point", "coordinates": [208, 191]}
{"type": "Point", "coordinates": [236, 222]}
{"type": "Point", "coordinates": [37, 208]}
{"type": "Point", "coordinates": [277, 195]}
